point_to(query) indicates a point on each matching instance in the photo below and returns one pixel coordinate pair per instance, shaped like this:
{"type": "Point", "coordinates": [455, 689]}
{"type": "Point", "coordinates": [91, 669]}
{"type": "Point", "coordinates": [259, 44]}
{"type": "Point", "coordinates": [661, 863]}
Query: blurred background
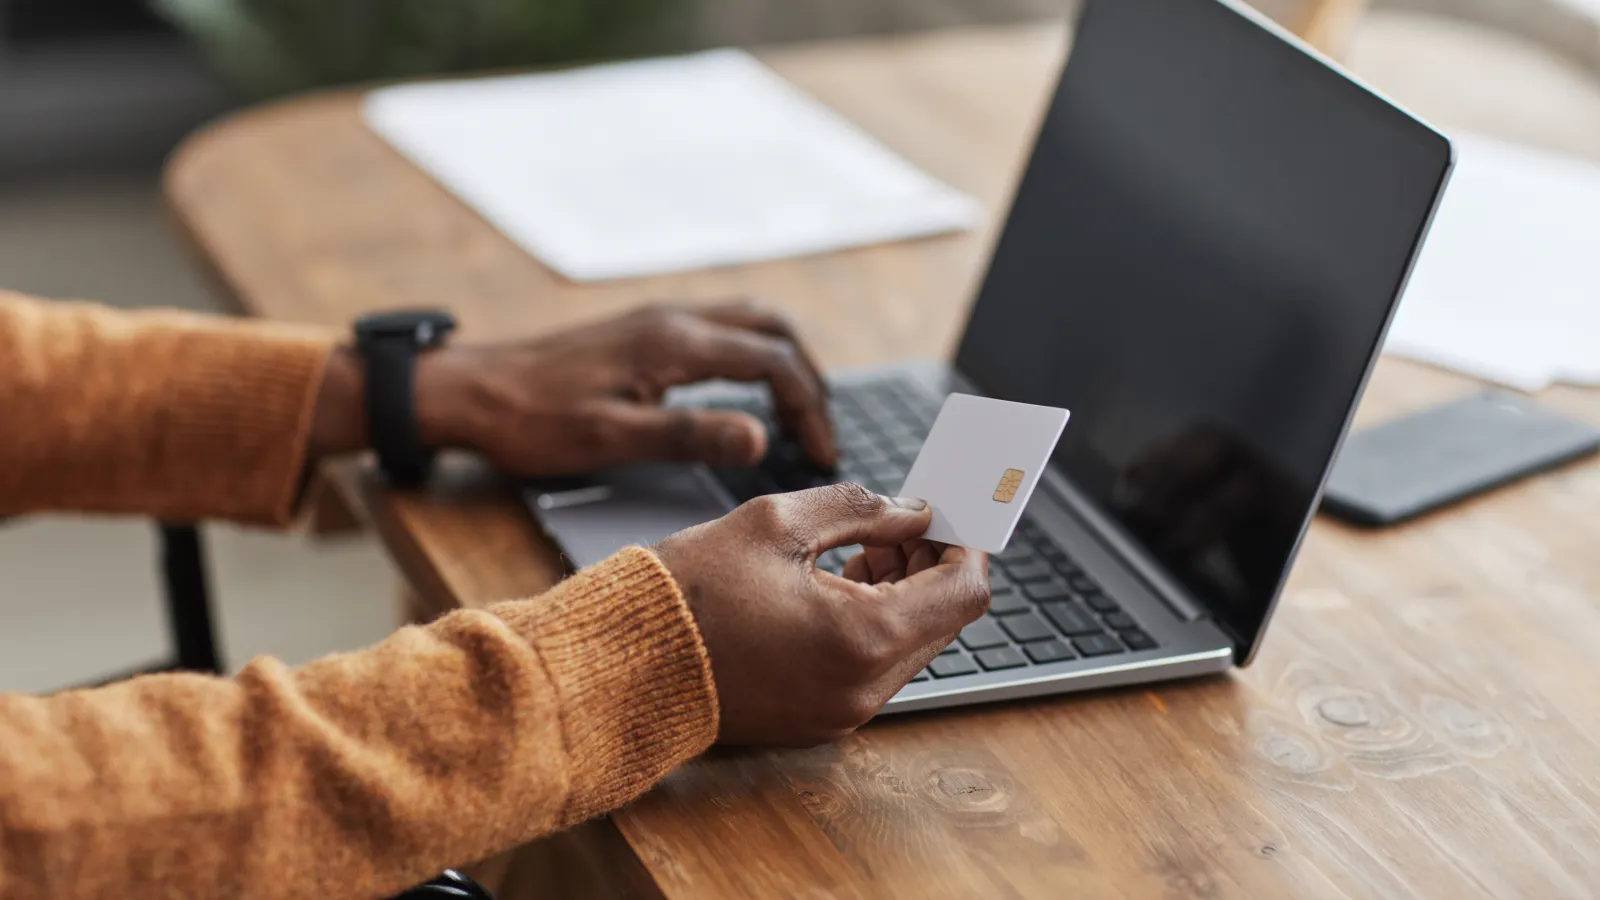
{"type": "Point", "coordinates": [95, 93]}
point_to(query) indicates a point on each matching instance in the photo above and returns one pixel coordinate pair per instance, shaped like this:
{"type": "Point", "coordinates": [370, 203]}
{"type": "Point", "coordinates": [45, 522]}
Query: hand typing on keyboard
{"type": "Point", "coordinates": [591, 398]}
{"type": "Point", "coordinates": [801, 656]}
{"type": "Point", "coordinates": [878, 426]}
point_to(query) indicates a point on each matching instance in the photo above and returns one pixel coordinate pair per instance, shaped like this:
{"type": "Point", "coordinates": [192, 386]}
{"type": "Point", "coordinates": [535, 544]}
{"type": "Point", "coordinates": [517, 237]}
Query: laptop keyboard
{"type": "Point", "coordinates": [880, 428]}
{"type": "Point", "coordinates": [1045, 610]}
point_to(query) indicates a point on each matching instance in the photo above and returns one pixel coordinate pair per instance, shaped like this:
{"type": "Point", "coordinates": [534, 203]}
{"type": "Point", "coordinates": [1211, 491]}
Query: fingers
{"type": "Point", "coordinates": [922, 555]}
{"type": "Point", "coordinates": [716, 437]}
{"type": "Point", "coordinates": [838, 515]}
{"type": "Point", "coordinates": [753, 318]}
{"type": "Point", "coordinates": [797, 393]}
{"type": "Point", "coordinates": [857, 569]}
{"type": "Point", "coordinates": [886, 565]}
{"type": "Point", "coordinates": [894, 630]}
{"type": "Point", "coordinates": [747, 345]}
{"type": "Point", "coordinates": [939, 601]}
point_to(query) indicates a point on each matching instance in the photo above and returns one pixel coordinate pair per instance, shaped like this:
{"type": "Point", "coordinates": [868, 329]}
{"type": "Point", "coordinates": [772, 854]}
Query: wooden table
{"type": "Point", "coordinates": [1422, 721]}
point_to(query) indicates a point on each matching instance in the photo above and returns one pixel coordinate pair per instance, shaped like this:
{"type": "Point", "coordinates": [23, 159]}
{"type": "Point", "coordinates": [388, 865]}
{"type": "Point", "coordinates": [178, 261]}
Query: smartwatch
{"type": "Point", "coordinates": [388, 344]}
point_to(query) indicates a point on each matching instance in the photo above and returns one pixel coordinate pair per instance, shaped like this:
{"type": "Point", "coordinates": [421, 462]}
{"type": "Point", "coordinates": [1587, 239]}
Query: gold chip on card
{"type": "Point", "coordinates": [976, 442]}
{"type": "Point", "coordinates": [1009, 483]}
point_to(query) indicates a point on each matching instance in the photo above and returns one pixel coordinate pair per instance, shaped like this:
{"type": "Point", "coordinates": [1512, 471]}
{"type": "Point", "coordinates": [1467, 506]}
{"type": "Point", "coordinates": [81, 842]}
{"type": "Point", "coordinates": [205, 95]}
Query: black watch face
{"type": "Point", "coordinates": [425, 327]}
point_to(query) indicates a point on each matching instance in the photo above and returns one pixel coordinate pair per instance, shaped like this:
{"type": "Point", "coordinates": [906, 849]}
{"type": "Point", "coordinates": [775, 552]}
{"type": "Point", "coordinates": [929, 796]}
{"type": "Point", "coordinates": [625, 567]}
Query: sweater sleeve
{"type": "Point", "coordinates": [363, 774]}
{"type": "Point", "coordinates": [180, 417]}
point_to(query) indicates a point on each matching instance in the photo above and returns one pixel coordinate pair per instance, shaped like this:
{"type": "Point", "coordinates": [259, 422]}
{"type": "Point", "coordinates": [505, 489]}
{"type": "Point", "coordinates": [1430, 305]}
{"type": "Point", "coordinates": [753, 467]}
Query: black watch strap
{"type": "Point", "coordinates": [391, 374]}
{"type": "Point", "coordinates": [389, 344]}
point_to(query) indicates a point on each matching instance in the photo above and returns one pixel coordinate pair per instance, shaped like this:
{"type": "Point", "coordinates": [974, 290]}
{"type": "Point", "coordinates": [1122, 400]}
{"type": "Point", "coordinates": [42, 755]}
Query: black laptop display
{"type": "Point", "coordinates": [1201, 263]}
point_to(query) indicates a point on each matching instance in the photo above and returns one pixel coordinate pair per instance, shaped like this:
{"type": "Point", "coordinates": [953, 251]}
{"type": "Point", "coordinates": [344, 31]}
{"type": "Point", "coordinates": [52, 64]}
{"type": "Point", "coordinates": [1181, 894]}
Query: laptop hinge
{"type": "Point", "coordinates": [1125, 548]}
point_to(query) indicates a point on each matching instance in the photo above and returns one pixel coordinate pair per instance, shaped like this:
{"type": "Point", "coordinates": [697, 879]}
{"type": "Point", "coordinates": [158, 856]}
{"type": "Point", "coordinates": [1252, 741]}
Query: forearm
{"type": "Point", "coordinates": [362, 774]}
{"type": "Point", "coordinates": [171, 415]}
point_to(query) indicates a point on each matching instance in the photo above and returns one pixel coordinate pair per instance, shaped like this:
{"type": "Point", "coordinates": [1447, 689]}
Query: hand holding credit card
{"type": "Point", "coordinates": [979, 467]}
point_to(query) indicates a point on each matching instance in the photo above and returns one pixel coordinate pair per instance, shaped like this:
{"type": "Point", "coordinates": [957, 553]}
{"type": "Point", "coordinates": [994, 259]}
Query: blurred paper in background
{"type": "Point", "coordinates": [1508, 286]}
{"type": "Point", "coordinates": [662, 165]}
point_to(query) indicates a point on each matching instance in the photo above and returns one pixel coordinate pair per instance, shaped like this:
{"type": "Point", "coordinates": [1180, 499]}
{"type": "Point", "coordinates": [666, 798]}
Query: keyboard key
{"type": "Point", "coordinates": [952, 666]}
{"type": "Point", "coordinates": [1066, 568]}
{"type": "Point", "coordinates": [867, 455]}
{"type": "Point", "coordinates": [887, 473]}
{"type": "Point", "coordinates": [908, 445]}
{"type": "Point", "coordinates": [920, 676]}
{"type": "Point", "coordinates": [850, 472]}
{"type": "Point", "coordinates": [831, 561]}
{"type": "Point", "coordinates": [848, 426]}
{"type": "Point", "coordinates": [952, 647]}
{"type": "Point", "coordinates": [1049, 652]}
{"type": "Point", "coordinates": [982, 634]}
{"type": "Point", "coordinates": [1082, 583]}
{"type": "Point", "coordinates": [1138, 640]}
{"type": "Point", "coordinates": [1097, 645]}
{"type": "Point", "coordinates": [910, 415]}
{"type": "Point", "coordinates": [850, 437]}
{"type": "Point", "coordinates": [870, 394]}
{"type": "Point", "coordinates": [1001, 658]}
{"type": "Point", "coordinates": [1120, 620]}
{"type": "Point", "coordinates": [1027, 627]}
{"type": "Point", "coordinates": [998, 581]}
{"type": "Point", "coordinates": [1026, 570]}
{"type": "Point", "coordinates": [1056, 556]}
{"type": "Point", "coordinates": [1070, 619]}
{"type": "Point", "coordinates": [1009, 602]}
{"type": "Point", "coordinates": [1046, 591]}
{"type": "Point", "coordinates": [1016, 551]}
{"type": "Point", "coordinates": [1099, 602]}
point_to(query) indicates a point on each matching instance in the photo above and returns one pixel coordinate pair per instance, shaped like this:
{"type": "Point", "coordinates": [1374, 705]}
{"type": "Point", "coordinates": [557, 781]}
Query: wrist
{"type": "Point", "coordinates": [443, 399]}
{"type": "Point", "coordinates": [339, 424]}
{"type": "Point", "coordinates": [440, 397]}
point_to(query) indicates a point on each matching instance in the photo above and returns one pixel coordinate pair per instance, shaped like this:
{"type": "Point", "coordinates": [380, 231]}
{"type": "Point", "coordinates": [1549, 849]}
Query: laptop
{"type": "Point", "coordinates": [1201, 262]}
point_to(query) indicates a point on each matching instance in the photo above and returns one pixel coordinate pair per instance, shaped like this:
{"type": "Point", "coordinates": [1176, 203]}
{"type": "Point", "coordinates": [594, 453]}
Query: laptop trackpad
{"type": "Point", "coordinates": [595, 517]}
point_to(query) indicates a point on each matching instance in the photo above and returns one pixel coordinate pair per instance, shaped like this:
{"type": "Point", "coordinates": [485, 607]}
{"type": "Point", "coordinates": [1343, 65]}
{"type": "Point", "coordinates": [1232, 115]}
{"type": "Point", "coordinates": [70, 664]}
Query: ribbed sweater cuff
{"type": "Point", "coordinates": [637, 698]}
{"type": "Point", "coordinates": [239, 413]}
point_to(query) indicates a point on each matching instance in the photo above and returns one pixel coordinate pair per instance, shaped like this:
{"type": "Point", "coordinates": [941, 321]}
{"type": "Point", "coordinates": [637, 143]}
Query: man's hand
{"type": "Point", "coordinates": [591, 398]}
{"type": "Point", "coordinates": [800, 656]}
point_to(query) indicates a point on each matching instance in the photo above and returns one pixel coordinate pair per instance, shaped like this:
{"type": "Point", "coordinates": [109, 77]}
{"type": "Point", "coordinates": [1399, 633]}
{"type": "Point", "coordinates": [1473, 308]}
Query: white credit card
{"type": "Point", "coordinates": [979, 467]}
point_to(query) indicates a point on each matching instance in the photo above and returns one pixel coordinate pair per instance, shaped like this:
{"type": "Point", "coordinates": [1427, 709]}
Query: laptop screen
{"type": "Point", "coordinates": [1200, 264]}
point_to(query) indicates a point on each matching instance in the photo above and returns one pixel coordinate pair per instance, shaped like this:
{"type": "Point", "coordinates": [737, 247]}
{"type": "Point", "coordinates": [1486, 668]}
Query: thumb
{"type": "Point", "coordinates": [714, 437]}
{"type": "Point", "coordinates": [843, 514]}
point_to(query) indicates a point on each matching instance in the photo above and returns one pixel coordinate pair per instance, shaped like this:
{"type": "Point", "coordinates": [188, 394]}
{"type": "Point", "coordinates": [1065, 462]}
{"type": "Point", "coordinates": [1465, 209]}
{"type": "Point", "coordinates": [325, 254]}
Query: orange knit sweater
{"type": "Point", "coordinates": [356, 776]}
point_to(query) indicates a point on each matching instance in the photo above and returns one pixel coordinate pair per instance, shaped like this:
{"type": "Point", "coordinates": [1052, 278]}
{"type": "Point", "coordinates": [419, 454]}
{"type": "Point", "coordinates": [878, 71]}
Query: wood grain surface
{"type": "Point", "coordinates": [1422, 721]}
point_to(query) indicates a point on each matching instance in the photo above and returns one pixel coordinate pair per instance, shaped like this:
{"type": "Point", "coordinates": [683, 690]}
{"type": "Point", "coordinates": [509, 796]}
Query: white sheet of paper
{"type": "Point", "coordinates": [1508, 285]}
{"type": "Point", "coordinates": [960, 471]}
{"type": "Point", "coordinates": [662, 165]}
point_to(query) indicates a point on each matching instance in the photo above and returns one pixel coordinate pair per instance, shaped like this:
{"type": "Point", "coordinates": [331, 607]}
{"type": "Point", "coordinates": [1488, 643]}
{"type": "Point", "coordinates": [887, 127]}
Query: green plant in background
{"type": "Point", "coordinates": [268, 47]}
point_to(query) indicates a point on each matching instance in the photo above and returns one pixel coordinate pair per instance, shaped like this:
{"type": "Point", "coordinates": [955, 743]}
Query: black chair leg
{"type": "Point", "coordinates": [183, 568]}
